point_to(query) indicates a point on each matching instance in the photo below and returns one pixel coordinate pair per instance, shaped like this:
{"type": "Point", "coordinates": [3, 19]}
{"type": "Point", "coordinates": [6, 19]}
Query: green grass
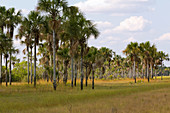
{"type": "Point", "coordinates": [108, 97]}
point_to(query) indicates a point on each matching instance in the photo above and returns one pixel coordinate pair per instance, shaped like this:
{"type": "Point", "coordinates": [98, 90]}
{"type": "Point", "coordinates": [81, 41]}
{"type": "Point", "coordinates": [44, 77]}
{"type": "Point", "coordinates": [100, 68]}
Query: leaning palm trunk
{"type": "Point", "coordinates": [10, 68]}
{"type": "Point", "coordinates": [75, 77]}
{"type": "Point", "coordinates": [54, 63]}
{"type": "Point", "coordinates": [93, 76]}
{"type": "Point", "coordinates": [35, 63]}
{"type": "Point", "coordinates": [28, 63]}
{"type": "Point", "coordinates": [31, 65]}
{"type": "Point", "coordinates": [82, 75]}
{"type": "Point", "coordinates": [72, 71]}
{"type": "Point", "coordinates": [6, 74]}
{"type": "Point", "coordinates": [0, 68]}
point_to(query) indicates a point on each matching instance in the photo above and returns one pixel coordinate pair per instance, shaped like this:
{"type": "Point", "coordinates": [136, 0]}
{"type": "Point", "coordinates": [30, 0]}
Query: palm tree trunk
{"type": "Point", "coordinates": [58, 76]}
{"type": "Point", "coordinates": [6, 73]}
{"type": "Point", "coordinates": [31, 65]}
{"type": "Point", "coordinates": [75, 77]}
{"type": "Point", "coordinates": [0, 68]}
{"type": "Point", "coordinates": [51, 65]}
{"type": "Point", "coordinates": [28, 62]}
{"type": "Point", "coordinates": [54, 63]}
{"type": "Point", "coordinates": [72, 72]}
{"type": "Point", "coordinates": [65, 73]}
{"type": "Point", "coordinates": [10, 67]}
{"type": "Point", "coordinates": [82, 75]}
{"type": "Point", "coordinates": [134, 70]}
{"type": "Point", "coordinates": [35, 63]}
{"type": "Point", "coordinates": [86, 74]}
{"type": "Point", "coordinates": [148, 70]}
{"type": "Point", "coordinates": [151, 70]}
{"type": "Point", "coordinates": [161, 70]}
{"type": "Point", "coordinates": [93, 76]}
{"type": "Point", "coordinates": [142, 71]}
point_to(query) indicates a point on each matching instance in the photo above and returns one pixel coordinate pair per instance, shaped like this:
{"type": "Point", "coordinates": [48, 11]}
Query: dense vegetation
{"type": "Point", "coordinates": [61, 33]}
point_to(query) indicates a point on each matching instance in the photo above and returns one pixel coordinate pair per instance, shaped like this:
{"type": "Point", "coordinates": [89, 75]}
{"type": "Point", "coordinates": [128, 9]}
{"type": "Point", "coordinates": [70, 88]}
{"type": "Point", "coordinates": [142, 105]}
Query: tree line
{"type": "Point", "coordinates": [61, 33]}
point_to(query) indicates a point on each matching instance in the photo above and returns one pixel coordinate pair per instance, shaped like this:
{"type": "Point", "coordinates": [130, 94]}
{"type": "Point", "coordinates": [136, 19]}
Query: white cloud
{"type": "Point", "coordinates": [131, 39]}
{"type": "Point", "coordinates": [131, 24]}
{"type": "Point", "coordinates": [109, 40]}
{"type": "Point", "coordinates": [115, 6]}
{"type": "Point", "coordinates": [103, 24]}
{"type": "Point", "coordinates": [134, 23]}
{"type": "Point", "coordinates": [164, 37]}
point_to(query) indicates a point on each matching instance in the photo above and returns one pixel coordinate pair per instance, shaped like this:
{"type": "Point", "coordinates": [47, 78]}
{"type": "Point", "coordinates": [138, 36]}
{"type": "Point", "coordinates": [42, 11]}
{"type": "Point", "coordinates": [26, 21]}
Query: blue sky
{"type": "Point", "coordinates": [119, 21]}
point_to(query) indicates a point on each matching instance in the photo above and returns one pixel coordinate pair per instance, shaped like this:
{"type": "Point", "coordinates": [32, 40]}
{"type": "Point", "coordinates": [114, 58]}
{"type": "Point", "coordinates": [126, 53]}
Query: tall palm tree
{"type": "Point", "coordinates": [13, 19]}
{"type": "Point", "coordinates": [3, 18]}
{"type": "Point", "coordinates": [162, 56]}
{"type": "Point", "coordinates": [86, 30]}
{"type": "Point", "coordinates": [36, 22]}
{"type": "Point", "coordinates": [132, 49]}
{"type": "Point", "coordinates": [70, 28]}
{"type": "Point", "coordinates": [54, 8]}
{"type": "Point", "coordinates": [25, 32]}
{"type": "Point", "coordinates": [93, 57]}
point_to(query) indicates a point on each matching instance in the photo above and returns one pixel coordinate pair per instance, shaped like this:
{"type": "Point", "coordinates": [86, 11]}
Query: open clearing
{"type": "Point", "coordinates": [116, 96]}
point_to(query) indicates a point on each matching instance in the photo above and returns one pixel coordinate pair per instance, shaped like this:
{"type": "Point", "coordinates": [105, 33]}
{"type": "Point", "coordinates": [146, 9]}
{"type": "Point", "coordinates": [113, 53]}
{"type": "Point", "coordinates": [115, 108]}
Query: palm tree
{"type": "Point", "coordinates": [162, 56]}
{"type": "Point", "coordinates": [132, 49]}
{"type": "Point", "coordinates": [25, 32]}
{"type": "Point", "coordinates": [70, 28]}
{"type": "Point", "coordinates": [13, 19]}
{"type": "Point", "coordinates": [63, 53]}
{"type": "Point", "coordinates": [86, 30]}
{"type": "Point", "coordinates": [54, 8]}
{"type": "Point", "coordinates": [3, 18]}
{"type": "Point", "coordinates": [36, 22]}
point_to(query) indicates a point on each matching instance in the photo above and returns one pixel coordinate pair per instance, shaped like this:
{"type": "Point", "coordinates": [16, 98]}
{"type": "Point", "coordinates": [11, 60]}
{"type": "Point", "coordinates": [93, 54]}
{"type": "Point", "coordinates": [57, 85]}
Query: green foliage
{"type": "Point", "coordinates": [19, 72]}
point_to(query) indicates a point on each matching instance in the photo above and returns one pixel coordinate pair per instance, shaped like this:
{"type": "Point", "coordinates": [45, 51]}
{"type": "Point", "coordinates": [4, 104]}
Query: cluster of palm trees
{"type": "Point", "coordinates": [9, 20]}
{"type": "Point", "coordinates": [61, 33]}
{"type": "Point", "coordinates": [61, 27]}
{"type": "Point", "coordinates": [144, 56]}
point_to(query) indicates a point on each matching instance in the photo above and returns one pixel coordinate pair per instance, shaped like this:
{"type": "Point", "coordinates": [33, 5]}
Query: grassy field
{"type": "Point", "coordinates": [116, 96]}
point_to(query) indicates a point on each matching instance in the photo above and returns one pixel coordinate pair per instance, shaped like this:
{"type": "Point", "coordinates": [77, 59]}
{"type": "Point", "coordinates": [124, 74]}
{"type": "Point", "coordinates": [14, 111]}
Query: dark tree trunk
{"type": "Point", "coordinates": [161, 71]}
{"type": "Point", "coordinates": [51, 65]}
{"type": "Point", "coordinates": [134, 70]}
{"type": "Point", "coordinates": [86, 74]}
{"type": "Point", "coordinates": [58, 74]}
{"type": "Point", "coordinates": [28, 64]}
{"type": "Point", "coordinates": [75, 77]}
{"type": "Point", "coordinates": [54, 62]}
{"type": "Point", "coordinates": [35, 63]}
{"type": "Point", "coordinates": [31, 65]}
{"type": "Point", "coordinates": [148, 70]}
{"type": "Point", "coordinates": [6, 72]}
{"type": "Point", "coordinates": [0, 68]}
{"type": "Point", "coordinates": [82, 75]}
{"type": "Point", "coordinates": [151, 70]}
{"type": "Point", "coordinates": [65, 73]}
{"type": "Point", "coordinates": [72, 72]}
{"type": "Point", "coordinates": [10, 79]}
{"type": "Point", "coordinates": [93, 76]}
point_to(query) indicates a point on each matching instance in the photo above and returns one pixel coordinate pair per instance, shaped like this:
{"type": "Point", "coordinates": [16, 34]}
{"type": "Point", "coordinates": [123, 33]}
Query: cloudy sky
{"type": "Point", "coordinates": [119, 21]}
